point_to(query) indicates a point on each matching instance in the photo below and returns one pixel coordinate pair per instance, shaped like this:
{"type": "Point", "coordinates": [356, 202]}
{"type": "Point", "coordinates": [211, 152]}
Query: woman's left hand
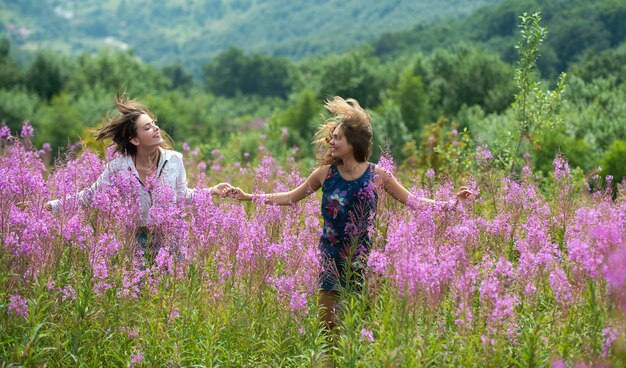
{"type": "Point", "coordinates": [463, 194]}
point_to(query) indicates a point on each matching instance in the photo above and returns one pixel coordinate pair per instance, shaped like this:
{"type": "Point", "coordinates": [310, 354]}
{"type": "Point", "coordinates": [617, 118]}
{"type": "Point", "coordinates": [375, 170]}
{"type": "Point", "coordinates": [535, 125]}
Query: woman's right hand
{"type": "Point", "coordinates": [48, 206]}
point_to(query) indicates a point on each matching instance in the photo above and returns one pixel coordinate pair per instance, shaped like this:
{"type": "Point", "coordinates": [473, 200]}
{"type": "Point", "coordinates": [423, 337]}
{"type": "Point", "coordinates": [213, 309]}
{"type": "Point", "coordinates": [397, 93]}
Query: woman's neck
{"type": "Point", "coordinates": [147, 157]}
{"type": "Point", "coordinates": [349, 163]}
{"type": "Point", "coordinates": [351, 168]}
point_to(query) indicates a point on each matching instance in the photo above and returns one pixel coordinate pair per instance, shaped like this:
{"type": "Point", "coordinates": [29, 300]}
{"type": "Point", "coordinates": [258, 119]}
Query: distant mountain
{"type": "Point", "coordinates": [190, 32]}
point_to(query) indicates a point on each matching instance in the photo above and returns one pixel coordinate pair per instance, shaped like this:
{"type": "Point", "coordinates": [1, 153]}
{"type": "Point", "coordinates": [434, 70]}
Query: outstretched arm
{"type": "Point", "coordinates": [84, 196]}
{"type": "Point", "coordinates": [401, 194]}
{"type": "Point", "coordinates": [310, 185]}
{"type": "Point", "coordinates": [188, 193]}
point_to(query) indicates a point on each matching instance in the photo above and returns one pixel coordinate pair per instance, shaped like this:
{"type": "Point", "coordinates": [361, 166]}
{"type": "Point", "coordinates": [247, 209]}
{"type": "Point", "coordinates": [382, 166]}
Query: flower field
{"type": "Point", "coordinates": [528, 273]}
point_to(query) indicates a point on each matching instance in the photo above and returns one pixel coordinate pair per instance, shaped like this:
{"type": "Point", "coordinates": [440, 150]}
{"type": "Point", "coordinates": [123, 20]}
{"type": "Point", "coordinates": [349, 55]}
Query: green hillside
{"type": "Point", "coordinates": [577, 29]}
{"type": "Point", "coordinates": [189, 32]}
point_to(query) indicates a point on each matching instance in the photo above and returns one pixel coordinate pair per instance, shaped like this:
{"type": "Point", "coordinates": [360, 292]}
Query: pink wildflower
{"type": "Point", "coordinates": [367, 335]}
{"type": "Point", "coordinates": [136, 359]}
{"type": "Point", "coordinates": [483, 155]}
{"type": "Point", "coordinates": [27, 130]}
{"type": "Point", "coordinates": [18, 305]}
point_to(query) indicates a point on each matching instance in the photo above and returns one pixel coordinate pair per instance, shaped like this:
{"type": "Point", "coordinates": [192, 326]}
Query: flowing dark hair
{"type": "Point", "coordinates": [121, 128]}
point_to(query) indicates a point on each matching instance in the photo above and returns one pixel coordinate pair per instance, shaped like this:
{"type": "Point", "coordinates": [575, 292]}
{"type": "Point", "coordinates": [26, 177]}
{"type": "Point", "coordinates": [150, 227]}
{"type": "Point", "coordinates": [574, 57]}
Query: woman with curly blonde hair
{"type": "Point", "coordinates": [349, 185]}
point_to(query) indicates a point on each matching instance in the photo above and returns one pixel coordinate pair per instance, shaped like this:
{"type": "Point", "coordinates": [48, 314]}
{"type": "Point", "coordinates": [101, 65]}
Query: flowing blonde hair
{"type": "Point", "coordinates": [357, 127]}
{"type": "Point", "coordinates": [121, 128]}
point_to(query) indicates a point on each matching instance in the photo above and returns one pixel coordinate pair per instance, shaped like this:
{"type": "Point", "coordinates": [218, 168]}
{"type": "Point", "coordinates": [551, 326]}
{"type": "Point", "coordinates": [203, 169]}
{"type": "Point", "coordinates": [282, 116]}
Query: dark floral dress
{"type": "Point", "coordinates": [349, 212]}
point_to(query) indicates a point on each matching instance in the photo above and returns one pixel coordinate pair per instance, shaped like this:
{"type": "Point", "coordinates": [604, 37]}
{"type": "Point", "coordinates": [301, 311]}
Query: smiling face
{"type": "Point", "coordinates": [147, 132]}
{"type": "Point", "coordinates": [339, 145]}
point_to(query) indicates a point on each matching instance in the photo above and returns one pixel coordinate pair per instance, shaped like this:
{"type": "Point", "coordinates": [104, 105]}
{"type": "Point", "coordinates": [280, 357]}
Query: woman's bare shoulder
{"type": "Point", "coordinates": [321, 172]}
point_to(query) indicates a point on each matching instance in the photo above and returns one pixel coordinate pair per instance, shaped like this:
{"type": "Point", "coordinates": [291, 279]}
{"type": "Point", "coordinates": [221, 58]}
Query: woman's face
{"type": "Point", "coordinates": [147, 132]}
{"type": "Point", "coordinates": [339, 146]}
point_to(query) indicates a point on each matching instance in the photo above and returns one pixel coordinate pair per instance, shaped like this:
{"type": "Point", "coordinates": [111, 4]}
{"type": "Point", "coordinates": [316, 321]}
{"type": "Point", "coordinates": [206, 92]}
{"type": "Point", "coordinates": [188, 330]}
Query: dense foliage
{"type": "Point", "coordinates": [415, 98]}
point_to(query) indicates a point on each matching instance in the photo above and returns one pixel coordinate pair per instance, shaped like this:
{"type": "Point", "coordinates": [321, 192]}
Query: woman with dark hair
{"type": "Point", "coordinates": [349, 184]}
{"type": "Point", "coordinates": [145, 153]}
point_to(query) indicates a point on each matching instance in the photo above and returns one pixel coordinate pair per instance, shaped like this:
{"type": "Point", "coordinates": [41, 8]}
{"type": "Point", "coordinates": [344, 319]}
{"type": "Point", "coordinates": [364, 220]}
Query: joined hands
{"type": "Point", "coordinates": [227, 190]}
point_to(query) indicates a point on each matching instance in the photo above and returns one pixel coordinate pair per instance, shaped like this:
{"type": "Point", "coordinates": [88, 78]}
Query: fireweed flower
{"type": "Point", "coordinates": [23, 182]}
{"type": "Point", "coordinates": [129, 331]}
{"type": "Point", "coordinates": [136, 359]}
{"type": "Point", "coordinates": [265, 169]}
{"type": "Point", "coordinates": [561, 287]}
{"type": "Point", "coordinates": [5, 132]}
{"type": "Point", "coordinates": [297, 256]}
{"type": "Point", "coordinates": [74, 175]}
{"type": "Point", "coordinates": [18, 305]}
{"type": "Point", "coordinates": [100, 257]}
{"type": "Point", "coordinates": [483, 155]}
{"type": "Point", "coordinates": [27, 229]}
{"type": "Point", "coordinates": [377, 262]}
{"type": "Point", "coordinates": [68, 293]}
{"type": "Point", "coordinates": [592, 235]}
{"type": "Point", "coordinates": [386, 163]}
{"type": "Point", "coordinates": [173, 315]}
{"type": "Point", "coordinates": [611, 334]}
{"type": "Point", "coordinates": [615, 275]}
{"type": "Point", "coordinates": [367, 335]}
{"type": "Point", "coordinates": [561, 168]}
{"type": "Point", "coordinates": [498, 300]}
{"type": "Point", "coordinates": [34, 233]}
{"type": "Point", "coordinates": [75, 231]}
{"type": "Point", "coordinates": [463, 288]}
{"type": "Point", "coordinates": [131, 282]}
{"type": "Point", "coordinates": [426, 250]}
{"type": "Point", "coordinates": [27, 130]}
{"type": "Point", "coordinates": [537, 253]}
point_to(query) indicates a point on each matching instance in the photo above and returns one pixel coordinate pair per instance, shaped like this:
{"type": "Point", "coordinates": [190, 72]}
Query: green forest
{"type": "Point", "coordinates": [430, 89]}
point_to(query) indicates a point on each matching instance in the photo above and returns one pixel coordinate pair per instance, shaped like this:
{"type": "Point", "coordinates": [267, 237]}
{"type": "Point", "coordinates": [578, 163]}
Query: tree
{"type": "Point", "coordinates": [178, 76]}
{"type": "Point", "coordinates": [468, 76]}
{"type": "Point", "coordinates": [223, 75]}
{"type": "Point", "coordinates": [232, 72]}
{"type": "Point", "coordinates": [45, 77]}
{"type": "Point", "coordinates": [10, 74]}
{"type": "Point", "coordinates": [413, 101]}
{"type": "Point", "coordinates": [60, 122]}
{"type": "Point", "coordinates": [614, 161]}
{"type": "Point", "coordinates": [115, 71]}
{"type": "Point", "coordinates": [577, 35]}
{"type": "Point", "coordinates": [609, 63]}
{"type": "Point", "coordinates": [356, 74]}
{"type": "Point", "coordinates": [389, 130]}
{"type": "Point", "coordinates": [17, 105]}
{"type": "Point", "coordinates": [299, 116]}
